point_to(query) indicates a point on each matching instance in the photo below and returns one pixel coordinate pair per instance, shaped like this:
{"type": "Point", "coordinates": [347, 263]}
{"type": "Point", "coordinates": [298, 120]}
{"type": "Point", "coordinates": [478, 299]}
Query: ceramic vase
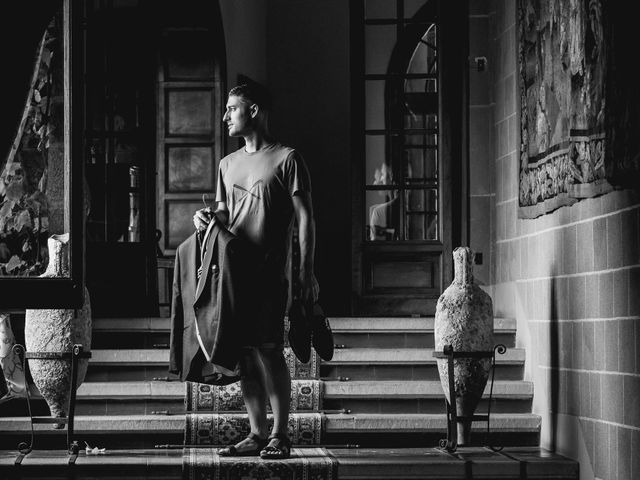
{"type": "Point", "coordinates": [464, 320]}
{"type": "Point", "coordinates": [57, 330]}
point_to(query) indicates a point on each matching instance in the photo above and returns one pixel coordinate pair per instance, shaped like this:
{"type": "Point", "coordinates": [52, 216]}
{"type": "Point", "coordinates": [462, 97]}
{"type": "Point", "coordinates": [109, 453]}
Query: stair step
{"type": "Point", "coordinates": [352, 363]}
{"type": "Point", "coordinates": [332, 389]}
{"type": "Point", "coordinates": [108, 398]}
{"type": "Point", "coordinates": [360, 424]}
{"type": "Point", "coordinates": [353, 464]}
{"type": "Point", "coordinates": [366, 430]}
{"type": "Point", "coordinates": [412, 332]}
{"type": "Point", "coordinates": [157, 324]}
{"type": "Point", "coordinates": [391, 389]}
{"type": "Point", "coordinates": [131, 356]}
{"type": "Point", "coordinates": [352, 356]}
{"type": "Point", "coordinates": [402, 323]}
{"type": "Point", "coordinates": [405, 356]}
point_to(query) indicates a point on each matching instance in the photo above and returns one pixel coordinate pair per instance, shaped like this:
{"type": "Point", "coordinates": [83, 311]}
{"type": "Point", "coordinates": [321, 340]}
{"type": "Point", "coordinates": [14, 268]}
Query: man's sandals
{"type": "Point", "coordinates": [232, 450]}
{"type": "Point", "coordinates": [279, 450]}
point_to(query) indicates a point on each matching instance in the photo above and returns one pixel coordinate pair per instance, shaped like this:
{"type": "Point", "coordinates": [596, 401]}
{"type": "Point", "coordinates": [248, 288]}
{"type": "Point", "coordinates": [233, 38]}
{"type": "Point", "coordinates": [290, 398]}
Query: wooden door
{"type": "Point", "coordinates": [189, 136]}
{"type": "Point", "coordinates": [405, 179]}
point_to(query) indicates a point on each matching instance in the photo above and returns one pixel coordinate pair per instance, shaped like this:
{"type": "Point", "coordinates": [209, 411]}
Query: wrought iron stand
{"type": "Point", "coordinates": [77, 353]}
{"type": "Point", "coordinates": [450, 443]}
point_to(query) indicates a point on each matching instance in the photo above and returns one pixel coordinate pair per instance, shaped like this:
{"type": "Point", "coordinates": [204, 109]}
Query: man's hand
{"type": "Point", "coordinates": [309, 288]}
{"type": "Point", "coordinates": [202, 218]}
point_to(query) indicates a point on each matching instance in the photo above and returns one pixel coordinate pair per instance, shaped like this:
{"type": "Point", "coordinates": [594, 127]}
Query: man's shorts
{"type": "Point", "coordinates": [268, 328]}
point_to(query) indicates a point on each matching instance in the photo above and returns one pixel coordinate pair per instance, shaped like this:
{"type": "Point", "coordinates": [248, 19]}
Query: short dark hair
{"type": "Point", "coordinates": [253, 92]}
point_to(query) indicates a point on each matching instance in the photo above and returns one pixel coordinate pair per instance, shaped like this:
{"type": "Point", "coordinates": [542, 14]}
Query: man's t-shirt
{"type": "Point", "coordinates": [257, 188]}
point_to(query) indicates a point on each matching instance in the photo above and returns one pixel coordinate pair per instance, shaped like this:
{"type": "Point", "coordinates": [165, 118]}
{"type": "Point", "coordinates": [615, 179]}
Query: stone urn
{"type": "Point", "coordinates": [57, 330]}
{"type": "Point", "coordinates": [464, 320]}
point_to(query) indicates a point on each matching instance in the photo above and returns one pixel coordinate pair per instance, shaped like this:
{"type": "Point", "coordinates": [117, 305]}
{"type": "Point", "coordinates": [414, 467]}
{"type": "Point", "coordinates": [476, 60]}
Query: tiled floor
{"type": "Point", "coordinates": [357, 463]}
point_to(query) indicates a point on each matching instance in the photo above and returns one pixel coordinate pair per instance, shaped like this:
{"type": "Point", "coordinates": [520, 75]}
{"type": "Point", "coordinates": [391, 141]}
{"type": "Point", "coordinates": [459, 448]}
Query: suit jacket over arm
{"type": "Point", "coordinates": [212, 314]}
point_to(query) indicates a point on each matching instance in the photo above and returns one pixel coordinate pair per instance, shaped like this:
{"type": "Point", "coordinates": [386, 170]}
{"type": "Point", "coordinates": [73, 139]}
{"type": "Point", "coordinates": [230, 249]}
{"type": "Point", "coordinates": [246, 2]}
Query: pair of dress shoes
{"type": "Point", "coordinates": [308, 326]}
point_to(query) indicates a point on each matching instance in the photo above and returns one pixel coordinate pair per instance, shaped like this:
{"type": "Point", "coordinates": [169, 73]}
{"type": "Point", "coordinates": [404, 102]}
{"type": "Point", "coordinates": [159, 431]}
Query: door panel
{"type": "Point", "coordinates": [408, 273]}
{"type": "Point", "coordinates": [189, 137]}
{"type": "Point", "coordinates": [189, 112]}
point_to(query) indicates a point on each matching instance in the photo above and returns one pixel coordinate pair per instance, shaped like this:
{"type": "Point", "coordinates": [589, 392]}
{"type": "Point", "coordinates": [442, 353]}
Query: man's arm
{"type": "Point", "coordinates": [307, 234]}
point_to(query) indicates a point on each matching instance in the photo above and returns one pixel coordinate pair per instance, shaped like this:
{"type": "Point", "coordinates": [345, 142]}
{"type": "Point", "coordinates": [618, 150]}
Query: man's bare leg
{"type": "Point", "coordinates": [255, 398]}
{"type": "Point", "coordinates": [278, 387]}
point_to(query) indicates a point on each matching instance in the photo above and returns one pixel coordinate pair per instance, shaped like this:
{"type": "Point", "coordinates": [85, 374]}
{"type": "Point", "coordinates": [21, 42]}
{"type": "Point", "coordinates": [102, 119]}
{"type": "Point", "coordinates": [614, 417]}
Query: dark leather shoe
{"type": "Point", "coordinates": [321, 334]}
{"type": "Point", "coordinates": [299, 332]}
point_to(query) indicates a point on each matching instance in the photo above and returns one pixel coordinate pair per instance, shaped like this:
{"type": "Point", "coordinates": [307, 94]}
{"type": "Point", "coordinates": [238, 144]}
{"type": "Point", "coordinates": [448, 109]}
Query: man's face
{"type": "Point", "coordinates": [238, 117]}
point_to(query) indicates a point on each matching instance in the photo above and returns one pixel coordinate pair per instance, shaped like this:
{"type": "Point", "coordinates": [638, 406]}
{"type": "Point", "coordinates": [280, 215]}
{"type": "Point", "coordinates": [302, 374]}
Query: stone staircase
{"type": "Point", "coordinates": [381, 389]}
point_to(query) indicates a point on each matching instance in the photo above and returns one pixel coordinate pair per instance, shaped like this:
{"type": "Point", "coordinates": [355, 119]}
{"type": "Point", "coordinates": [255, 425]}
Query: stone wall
{"type": "Point", "coordinates": [481, 98]}
{"type": "Point", "coordinates": [571, 279]}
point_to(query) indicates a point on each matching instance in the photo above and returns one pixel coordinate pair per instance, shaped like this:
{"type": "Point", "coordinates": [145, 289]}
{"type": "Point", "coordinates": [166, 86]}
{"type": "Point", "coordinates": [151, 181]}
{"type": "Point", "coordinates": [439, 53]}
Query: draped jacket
{"type": "Point", "coordinates": [213, 312]}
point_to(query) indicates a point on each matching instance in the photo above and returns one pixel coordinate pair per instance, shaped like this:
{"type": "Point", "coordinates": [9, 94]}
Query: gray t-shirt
{"type": "Point", "coordinates": [258, 188]}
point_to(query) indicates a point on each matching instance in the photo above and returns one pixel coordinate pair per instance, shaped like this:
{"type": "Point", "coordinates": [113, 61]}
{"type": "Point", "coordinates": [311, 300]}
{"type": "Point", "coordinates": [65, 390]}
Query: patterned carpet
{"type": "Point", "coordinates": [230, 428]}
{"type": "Point", "coordinates": [215, 414]}
{"type": "Point", "coordinates": [305, 463]}
{"type": "Point", "coordinates": [306, 395]}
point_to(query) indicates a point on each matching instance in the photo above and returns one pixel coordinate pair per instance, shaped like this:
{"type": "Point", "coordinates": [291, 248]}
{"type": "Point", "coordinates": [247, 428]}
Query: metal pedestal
{"type": "Point", "coordinates": [451, 443]}
{"type": "Point", "coordinates": [77, 353]}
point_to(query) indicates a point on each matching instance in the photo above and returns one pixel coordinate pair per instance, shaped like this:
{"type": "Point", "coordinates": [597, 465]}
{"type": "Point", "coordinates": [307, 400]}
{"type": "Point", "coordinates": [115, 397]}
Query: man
{"type": "Point", "coordinates": [260, 188]}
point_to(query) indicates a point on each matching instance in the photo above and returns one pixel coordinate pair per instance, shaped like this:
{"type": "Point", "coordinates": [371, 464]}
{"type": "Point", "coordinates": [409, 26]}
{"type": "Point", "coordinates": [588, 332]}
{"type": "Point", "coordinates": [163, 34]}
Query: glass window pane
{"type": "Point", "coordinates": [375, 159]}
{"type": "Point", "coordinates": [432, 232]}
{"type": "Point", "coordinates": [424, 57]}
{"type": "Point", "coordinates": [411, 7]}
{"type": "Point", "coordinates": [421, 165]}
{"type": "Point", "coordinates": [379, 42]}
{"type": "Point", "coordinates": [421, 201]}
{"type": "Point", "coordinates": [430, 139]}
{"type": "Point", "coordinates": [95, 224]}
{"type": "Point", "coordinates": [414, 226]}
{"type": "Point", "coordinates": [125, 105]}
{"type": "Point", "coordinates": [118, 204]}
{"type": "Point", "coordinates": [380, 9]}
{"type": "Point", "coordinates": [420, 121]}
{"type": "Point", "coordinates": [415, 200]}
{"type": "Point", "coordinates": [374, 105]}
{"type": "Point", "coordinates": [421, 85]}
{"type": "Point", "coordinates": [431, 197]}
{"type": "Point", "coordinates": [419, 226]}
{"type": "Point", "coordinates": [414, 165]}
{"type": "Point", "coordinates": [125, 152]}
{"type": "Point", "coordinates": [96, 106]}
{"type": "Point", "coordinates": [383, 215]}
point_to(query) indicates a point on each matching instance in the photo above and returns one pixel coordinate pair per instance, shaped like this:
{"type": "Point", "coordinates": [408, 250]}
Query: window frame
{"type": "Point", "coordinates": [19, 293]}
{"type": "Point", "coordinates": [388, 132]}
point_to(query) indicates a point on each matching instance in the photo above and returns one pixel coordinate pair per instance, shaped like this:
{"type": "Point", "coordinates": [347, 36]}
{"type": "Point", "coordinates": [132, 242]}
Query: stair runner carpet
{"type": "Point", "coordinates": [215, 416]}
{"type": "Point", "coordinates": [307, 463]}
{"type": "Point", "coordinates": [306, 395]}
{"type": "Point", "coordinates": [217, 412]}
